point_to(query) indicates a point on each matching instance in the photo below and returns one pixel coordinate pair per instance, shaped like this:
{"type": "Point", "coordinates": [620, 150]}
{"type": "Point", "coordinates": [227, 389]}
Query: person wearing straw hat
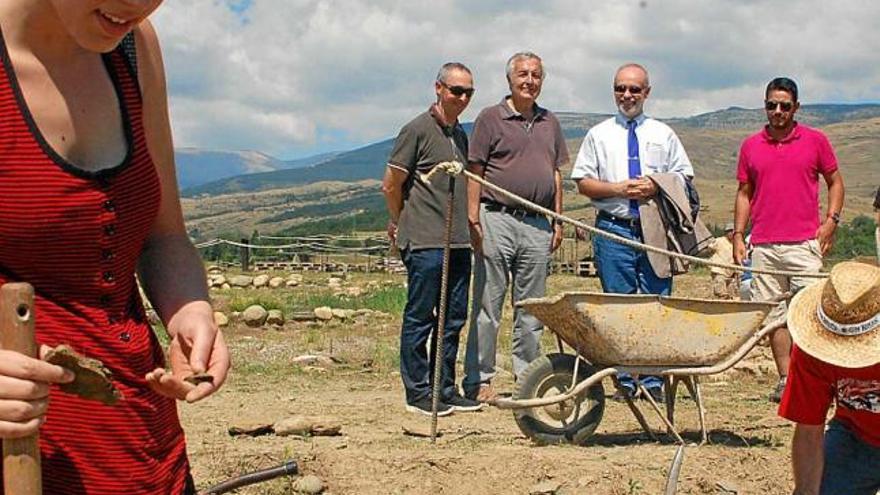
{"type": "Point", "coordinates": [778, 174]}
{"type": "Point", "coordinates": [417, 211]}
{"type": "Point", "coordinates": [835, 326]}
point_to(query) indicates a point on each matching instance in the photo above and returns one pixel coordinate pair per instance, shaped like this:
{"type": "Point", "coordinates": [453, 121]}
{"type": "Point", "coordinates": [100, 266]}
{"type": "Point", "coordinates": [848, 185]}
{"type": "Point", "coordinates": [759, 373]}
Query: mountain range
{"type": "Point", "coordinates": [324, 190]}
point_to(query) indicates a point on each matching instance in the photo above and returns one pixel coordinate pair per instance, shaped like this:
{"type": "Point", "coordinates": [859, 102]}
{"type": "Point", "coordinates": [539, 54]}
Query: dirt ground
{"type": "Point", "coordinates": [477, 453]}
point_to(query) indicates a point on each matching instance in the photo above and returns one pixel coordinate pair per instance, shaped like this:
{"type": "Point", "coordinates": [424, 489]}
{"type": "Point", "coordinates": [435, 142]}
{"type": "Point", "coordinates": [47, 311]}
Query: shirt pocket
{"type": "Point", "coordinates": [655, 157]}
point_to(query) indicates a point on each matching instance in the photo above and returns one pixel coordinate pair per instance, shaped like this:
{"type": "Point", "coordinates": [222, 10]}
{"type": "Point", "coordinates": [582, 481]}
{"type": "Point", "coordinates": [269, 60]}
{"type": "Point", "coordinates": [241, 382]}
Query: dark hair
{"type": "Point", "coordinates": [783, 84]}
{"type": "Point", "coordinates": [449, 67]}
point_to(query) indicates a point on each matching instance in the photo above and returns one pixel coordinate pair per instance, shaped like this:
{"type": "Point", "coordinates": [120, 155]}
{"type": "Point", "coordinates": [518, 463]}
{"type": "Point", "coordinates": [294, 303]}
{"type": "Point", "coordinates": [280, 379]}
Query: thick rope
{"type": "Point", "coordinates": [318, 247]}
{"type": "Point", "coordinates": [441, 311]}
{"type": "Point", "coordinates": [455, 168]}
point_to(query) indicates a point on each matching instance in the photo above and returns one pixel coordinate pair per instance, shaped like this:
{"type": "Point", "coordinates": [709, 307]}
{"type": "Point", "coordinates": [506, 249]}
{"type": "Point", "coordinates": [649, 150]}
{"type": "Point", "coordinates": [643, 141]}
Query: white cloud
{"type": "Point", "coordinates": [293, 77]}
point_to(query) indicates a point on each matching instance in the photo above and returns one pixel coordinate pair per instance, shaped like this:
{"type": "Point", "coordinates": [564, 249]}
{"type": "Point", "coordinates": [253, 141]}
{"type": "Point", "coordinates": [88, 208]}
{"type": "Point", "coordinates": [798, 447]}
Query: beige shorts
{"type": "Point", "coordinates": [803, 256]}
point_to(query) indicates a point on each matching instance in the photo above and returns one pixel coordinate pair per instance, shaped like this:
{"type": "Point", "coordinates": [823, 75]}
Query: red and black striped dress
{"type": "Point", "coordinates": [76, 237]}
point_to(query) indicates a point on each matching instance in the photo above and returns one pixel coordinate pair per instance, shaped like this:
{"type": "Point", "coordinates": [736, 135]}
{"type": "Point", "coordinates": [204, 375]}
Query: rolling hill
{"type": "Point", "coordinates": [196, 166]}
{"type": "Point", "coordinates": [343, 190]}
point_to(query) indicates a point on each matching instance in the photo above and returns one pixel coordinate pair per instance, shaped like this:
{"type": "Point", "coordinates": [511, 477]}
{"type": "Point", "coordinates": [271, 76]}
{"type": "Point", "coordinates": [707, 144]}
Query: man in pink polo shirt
{"type": "Point", "coordinates": [778, 174]}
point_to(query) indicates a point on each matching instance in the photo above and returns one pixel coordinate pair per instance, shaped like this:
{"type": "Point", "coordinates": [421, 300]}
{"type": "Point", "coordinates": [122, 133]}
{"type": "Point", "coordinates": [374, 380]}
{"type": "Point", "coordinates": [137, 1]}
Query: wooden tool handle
{"type": "Point", "coordinates": [21, 456]}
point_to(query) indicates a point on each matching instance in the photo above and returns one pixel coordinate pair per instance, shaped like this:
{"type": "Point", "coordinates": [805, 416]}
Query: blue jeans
{"type": "Point", "coordinates": [624, 270]}
{"type": "Point", "coordinates": [852, 467]}
{"type": "Point", "coordinates": [424, 270]}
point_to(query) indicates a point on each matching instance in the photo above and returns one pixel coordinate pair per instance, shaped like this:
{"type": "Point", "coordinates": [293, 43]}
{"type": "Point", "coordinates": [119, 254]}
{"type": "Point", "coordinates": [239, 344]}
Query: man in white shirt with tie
{"type": "Point", "coordinates": [611, 168]}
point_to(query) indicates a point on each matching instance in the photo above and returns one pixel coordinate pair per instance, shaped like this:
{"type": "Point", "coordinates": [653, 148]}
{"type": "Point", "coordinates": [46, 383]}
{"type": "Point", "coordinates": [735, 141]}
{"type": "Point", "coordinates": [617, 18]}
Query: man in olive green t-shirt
{"type": "Point", "coordinates": [417, 223]}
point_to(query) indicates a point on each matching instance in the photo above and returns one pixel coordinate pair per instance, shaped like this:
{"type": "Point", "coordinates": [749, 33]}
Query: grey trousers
{"type": "Point", "coordinates": [516, 252]}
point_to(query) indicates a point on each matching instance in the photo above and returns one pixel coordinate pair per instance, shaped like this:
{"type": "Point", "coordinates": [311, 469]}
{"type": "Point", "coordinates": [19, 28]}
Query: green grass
{"type": "Point", "coordinates": [240, 300]}
{"type": "Point", "coordinates": [388, 300]}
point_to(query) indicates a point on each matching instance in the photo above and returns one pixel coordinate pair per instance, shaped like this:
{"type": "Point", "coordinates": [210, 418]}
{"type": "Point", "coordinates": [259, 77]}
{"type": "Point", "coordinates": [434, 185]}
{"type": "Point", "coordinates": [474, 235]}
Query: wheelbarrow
{"type": "Point", "coordinates": [561, 399]}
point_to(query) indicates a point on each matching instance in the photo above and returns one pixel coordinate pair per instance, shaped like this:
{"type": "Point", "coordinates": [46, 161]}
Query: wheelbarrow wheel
{"type": "Point", "coordinates": [572, 421]}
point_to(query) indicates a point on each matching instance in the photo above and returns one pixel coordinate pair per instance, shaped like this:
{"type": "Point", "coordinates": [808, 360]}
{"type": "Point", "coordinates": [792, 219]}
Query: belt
{"type": "Point", "coordinates": [510, 210]}
{"type": "Point", "coordinates": [629, 222]}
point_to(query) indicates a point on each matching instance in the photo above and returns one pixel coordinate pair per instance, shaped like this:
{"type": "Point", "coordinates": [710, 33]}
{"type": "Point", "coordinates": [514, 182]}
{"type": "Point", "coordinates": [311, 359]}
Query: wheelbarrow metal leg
{"type": "Point", "coordinates": [656, 408]}
{"type": "Point", "coordinates": [635, 410]}
{"type": "Point", "coordinates": [693, 384]}
{"type": "Point", "coordinates": [669, 387]}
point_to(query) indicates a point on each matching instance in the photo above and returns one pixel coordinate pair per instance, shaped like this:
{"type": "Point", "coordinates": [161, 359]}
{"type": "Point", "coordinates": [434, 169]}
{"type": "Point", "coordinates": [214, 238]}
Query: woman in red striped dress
{"type": "Point", "coordinates": [88, 198]}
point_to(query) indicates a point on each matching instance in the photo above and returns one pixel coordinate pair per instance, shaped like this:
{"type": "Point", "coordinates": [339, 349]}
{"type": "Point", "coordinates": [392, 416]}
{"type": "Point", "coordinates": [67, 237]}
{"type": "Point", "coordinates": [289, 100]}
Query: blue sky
{"type": "Point", "coordinates": [293, 78]}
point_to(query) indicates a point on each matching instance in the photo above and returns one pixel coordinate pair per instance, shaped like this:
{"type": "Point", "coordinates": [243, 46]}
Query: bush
{"type": "Point", "coordinates": [853, 239]}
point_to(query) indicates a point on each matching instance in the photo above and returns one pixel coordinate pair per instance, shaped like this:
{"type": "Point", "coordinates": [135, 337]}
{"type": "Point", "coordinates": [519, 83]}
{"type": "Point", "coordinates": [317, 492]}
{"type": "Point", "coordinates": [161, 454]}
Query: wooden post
{"type": "Point", "coordinates": [244, 254]}
{"type": "Point", "coordinates": [21, 456]}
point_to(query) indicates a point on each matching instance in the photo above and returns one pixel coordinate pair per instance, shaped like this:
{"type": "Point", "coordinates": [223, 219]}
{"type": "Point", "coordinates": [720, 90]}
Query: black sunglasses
{"type": "Point", "coordinates": [458, 90]}
{"type": "Point", "coordinates": [633, 90]}
{"type": "Point", "coordinates": [771, 105]}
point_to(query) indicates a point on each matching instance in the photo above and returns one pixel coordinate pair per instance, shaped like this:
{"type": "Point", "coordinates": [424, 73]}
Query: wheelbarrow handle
{"type": "Point", "coordinates": [21, 456]}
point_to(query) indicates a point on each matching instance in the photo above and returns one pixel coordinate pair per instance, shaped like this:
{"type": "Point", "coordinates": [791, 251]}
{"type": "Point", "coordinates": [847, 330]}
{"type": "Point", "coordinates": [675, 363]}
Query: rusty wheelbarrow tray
{"type": "Point", "coordinates": [561, 398]}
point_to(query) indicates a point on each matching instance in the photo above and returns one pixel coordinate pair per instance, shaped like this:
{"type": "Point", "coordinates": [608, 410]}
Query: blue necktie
{"type": "Point", "coordinates": [635, 165]}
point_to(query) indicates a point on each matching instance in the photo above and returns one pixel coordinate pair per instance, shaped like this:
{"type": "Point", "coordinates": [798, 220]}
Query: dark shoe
{"type": "Point", "coordinates": [622, 393]}
{"type": "Point", "coordinates": [657, 394]}
{"type": "Point", "coordinates": [776, 394]}
{"type": "Point", "coordinates": [424, 406]}
{"type": "Point", "coordinates": [463, 404]}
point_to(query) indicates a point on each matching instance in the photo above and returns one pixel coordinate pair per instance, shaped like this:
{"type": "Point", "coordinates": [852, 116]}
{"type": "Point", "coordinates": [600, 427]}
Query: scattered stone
{"type": "Point", "coordinates": [315, 369]}
{"type": "Point", "coordinates": [199, 378]}
{"type": "Point", "coordinates": [309, 484]}
{"type": "Point", "coordinates": [251, 430]}
{"type": "Point", "coordinates": [546, 487]}
{"type": "Point", "coordinates": [315, 360]}
{"type": "Point", "coordinates": [92, 380]}
{"type": "Point", "coordinates": [307, 426]}
{"type": "Point", "coordinates": [354, 291]}
{"type": "Point", "coordinates": [418, 432]}
{"type": "Point", "coordinates": [303, 316]}
{"type": "Point", "coordinates": [235, 315]}
{"type": "Point", "coordinates": [241, 281]}
{"type": "Point", "coordinates": [218, 281]}
{"type": "Point", "coordinates": [291, 283]}
{"type": "Point", "coordinates": [324, 313]}
{"type": "Point", "coordinates": [728, 487]}
{"type": "Point", "coordinates": [255, 315]}
{"type": "Point", "coordinates": [275, 317]}
{"type": "Point", "coordinates": [215, 269]}
{"type": "Point", "coordinates": [276, 282]}
{"type": "Point", "coordinates": [339, 313]}
{"type": "Point", "coordinates": [334, 282]}
{"type": "Point", "coordinates": [226, 286]}
{"type": "Point", "coordinates": [220, 319]}
{"type": "Point", "coordinates": [261, 281]}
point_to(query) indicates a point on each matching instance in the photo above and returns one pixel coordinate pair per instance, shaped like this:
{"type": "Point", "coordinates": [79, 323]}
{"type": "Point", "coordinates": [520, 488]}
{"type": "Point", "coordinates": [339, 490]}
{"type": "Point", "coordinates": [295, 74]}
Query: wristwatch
{"type": "Point", "coordinates": [835, 217]}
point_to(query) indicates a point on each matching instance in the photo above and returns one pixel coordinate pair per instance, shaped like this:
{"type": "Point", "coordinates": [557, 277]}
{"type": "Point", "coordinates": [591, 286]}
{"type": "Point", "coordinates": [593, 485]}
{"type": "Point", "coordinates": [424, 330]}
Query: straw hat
{"type": "Point", "coordinates": [838, 320]}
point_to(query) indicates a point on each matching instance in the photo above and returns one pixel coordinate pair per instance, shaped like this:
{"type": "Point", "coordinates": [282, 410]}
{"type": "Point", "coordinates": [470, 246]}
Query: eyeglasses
{"type": "Point", "coordinates": [633, 90]}
{"type": "Point", "coordinates": [457, 91]}
{"type": "Point", "coordinates": [771, 105]}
